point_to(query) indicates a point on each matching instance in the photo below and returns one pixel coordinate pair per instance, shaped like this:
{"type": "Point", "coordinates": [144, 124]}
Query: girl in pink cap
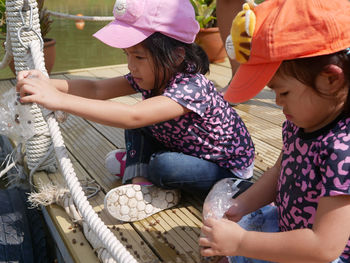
{"type": "Point", "coordinates": [300, 49]}
{"type": "Point", "coordinates": [182, 136]}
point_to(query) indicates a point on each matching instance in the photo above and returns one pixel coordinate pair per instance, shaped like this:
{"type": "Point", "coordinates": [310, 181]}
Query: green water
{"type": "Point", "coordinates": [77, 48]}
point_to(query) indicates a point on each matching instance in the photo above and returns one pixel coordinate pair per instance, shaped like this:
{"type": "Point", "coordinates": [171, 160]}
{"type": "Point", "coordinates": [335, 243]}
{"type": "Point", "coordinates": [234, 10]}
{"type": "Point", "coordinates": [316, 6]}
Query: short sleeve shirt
{"type": "Point", "coordinates": [313, 165]}
{"type": "Point", "coordinates": [212, 130]}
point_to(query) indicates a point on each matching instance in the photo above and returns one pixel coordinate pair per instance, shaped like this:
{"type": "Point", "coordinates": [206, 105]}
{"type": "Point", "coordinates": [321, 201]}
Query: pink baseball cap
{"type": "Point", "coordinates": [135, 20]}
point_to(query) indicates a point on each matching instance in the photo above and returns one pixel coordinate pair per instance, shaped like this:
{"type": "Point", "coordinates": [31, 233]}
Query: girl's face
{"type": "Point", "coordinates": [303, 105]}
{"type": "Point", "coordinates": [141, 66]}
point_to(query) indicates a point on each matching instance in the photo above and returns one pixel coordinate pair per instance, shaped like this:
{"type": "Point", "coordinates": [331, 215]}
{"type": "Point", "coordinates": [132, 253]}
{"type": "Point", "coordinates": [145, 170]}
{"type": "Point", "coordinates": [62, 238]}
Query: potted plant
{"type": "Point", "coordinates": [209, 37]}
{"type": "Point", "coordinates": [45, 26]}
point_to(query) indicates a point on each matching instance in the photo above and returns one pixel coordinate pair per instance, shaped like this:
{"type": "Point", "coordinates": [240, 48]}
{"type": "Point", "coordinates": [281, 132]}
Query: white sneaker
{"type": "Point", "coordinates": [115, 162]}
{"type": "Point", "coordinates": [133, 202]}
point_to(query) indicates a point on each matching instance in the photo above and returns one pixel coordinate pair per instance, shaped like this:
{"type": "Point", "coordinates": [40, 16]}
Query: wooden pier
{"type": "Point", "coordinates": [171, 235]}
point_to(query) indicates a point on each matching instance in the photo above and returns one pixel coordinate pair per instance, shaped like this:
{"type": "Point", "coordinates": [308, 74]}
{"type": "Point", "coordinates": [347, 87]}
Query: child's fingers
{"type": "Point", "coordinates": [209, 222]}
{"type": "Point", "coordinates": [207, 252]}
{"type": "Point", "coordinates": [204, 242]}
{"type": "Point", "coordinates": [22, 74]}
{"type": "Point", "coordinates": [206, 230]}
{"type": "Point", "coordinates": [25, 91]}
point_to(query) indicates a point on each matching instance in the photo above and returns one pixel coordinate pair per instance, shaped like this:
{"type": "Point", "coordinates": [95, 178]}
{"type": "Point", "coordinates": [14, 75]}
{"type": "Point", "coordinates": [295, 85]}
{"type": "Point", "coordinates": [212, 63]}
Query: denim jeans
{"type": "Point", "coordinates": [166, 169]}
{"type": "Point", "coordinates": [262, 220]}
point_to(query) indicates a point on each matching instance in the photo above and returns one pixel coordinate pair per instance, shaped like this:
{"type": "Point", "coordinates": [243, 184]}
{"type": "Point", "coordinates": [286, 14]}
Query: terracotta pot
{"type": "Point", "coordinates": [49, 55]}
{"type": "Point", "coordinates": [209, 39]}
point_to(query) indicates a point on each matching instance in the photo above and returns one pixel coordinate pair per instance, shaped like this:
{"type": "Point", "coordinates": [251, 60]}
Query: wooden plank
{"type": "Point", "coordinates": [263, 110]}
{"type": "Point", "coordinates": [90, 148]}
{"type": "Point", "coordinates": [261, 129]}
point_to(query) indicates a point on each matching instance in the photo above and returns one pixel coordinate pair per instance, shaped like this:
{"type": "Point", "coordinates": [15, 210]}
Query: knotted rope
{"type": "Point", "coordinates": [26, 45]}
{"type": "Point", "coordinates": [24, 34]}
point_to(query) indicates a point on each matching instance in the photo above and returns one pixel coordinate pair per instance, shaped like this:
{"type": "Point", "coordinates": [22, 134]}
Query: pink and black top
{"type": "Point", "coordinates": [314, 165]}
{"type": "Point", "coordinates": [212, 130]}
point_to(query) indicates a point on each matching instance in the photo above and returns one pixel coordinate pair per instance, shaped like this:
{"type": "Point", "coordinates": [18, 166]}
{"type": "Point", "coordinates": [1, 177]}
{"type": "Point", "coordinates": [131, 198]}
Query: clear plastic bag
{"type": "Point", "coordinates": [221, 196]}
{"type": "Point", "coordinates": [16, 120]}
{"type": "Point", "coordinates": [219, 200]}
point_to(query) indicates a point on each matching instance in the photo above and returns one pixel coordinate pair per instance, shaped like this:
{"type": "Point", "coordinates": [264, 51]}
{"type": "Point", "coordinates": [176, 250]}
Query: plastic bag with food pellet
{"type": "Point", "coordinates": [219, 200]}
{"type": "Point", "coordinates": [221, 196]}
{"type": "Point", "coordinates": [16, 120]}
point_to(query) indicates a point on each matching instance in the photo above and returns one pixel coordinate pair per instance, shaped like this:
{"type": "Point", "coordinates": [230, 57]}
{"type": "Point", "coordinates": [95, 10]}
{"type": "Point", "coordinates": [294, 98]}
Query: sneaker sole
{"type": "Point", "coordinates": [134, 202]}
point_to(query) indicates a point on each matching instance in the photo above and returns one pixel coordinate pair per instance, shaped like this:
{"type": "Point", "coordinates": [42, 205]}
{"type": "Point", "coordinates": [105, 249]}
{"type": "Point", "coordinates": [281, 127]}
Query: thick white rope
{"type": "Point", "coordinates": [20, 46]}
{"type": "Point", "coordinates": [108, 239]}
{"type": "Point", "coordinates": [20, 38]}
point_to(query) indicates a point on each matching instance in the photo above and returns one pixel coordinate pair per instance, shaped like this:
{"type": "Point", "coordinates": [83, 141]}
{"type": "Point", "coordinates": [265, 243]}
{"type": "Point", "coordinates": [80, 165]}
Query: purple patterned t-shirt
{"type": "Point", "coordinates": [212, 130]}
{"type": "Point", "coordinates": [313, 165]}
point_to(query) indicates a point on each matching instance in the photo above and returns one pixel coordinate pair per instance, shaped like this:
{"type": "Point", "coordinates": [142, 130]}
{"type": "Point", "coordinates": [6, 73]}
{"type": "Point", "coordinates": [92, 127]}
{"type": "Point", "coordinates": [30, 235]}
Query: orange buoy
{"type": "Point", "coordinates": [79, 23]}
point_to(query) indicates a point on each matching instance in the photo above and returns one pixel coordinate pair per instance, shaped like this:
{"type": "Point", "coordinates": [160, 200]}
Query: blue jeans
{"type": "Point", "coordinates": [166, 169]}
{"type": "Point", "coordinates": [263, 220]}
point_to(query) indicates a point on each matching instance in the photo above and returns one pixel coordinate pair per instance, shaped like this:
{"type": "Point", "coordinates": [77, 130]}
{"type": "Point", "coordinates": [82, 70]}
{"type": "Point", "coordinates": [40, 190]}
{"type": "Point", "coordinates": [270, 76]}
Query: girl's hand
{"type": "Point", "coordinates": [220, 237]}
{"type": "Point", "coordinates": [33, 86]}
{"type": "Point", "coordinates": [27, 74]}
{"type": "Point", "coordinates": [236, 211]}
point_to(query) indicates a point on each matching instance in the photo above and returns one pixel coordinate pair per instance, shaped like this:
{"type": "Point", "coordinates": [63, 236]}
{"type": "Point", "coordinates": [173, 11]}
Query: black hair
{"type": "Point", "coordinates": [306, 70]}
{"type": "Point", "coordinates": [165, 54]}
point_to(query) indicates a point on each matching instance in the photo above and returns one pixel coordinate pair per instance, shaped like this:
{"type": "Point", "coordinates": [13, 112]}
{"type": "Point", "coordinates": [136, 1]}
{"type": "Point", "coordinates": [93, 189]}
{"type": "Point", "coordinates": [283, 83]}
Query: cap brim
{"type": "Point", "coordinates": [249, 80]}
{"type": "Point", "coordinates": [120, 35]}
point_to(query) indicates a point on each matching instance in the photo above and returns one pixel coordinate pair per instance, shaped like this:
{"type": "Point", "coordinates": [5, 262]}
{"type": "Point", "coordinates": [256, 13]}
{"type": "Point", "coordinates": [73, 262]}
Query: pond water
{"type": "Point", "coordinates": [77, 48]}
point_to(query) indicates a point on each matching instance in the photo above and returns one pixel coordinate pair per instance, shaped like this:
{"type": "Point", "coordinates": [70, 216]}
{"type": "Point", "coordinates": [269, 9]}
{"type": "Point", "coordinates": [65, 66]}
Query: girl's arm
{"type": "Point", "coordinates": [323, 243]}
{"type": "Point", "coordinates": [147, 112]}
{"type": "Point", "coordinates": [261, 193]}
{"type": "Point", "coordinates": [93, 89]}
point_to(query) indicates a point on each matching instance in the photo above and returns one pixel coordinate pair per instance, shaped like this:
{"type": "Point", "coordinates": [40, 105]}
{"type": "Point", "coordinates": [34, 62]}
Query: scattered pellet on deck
{"type": "Point", "coordinates": [74, 230]}
{"type": "Point", "coordinates": [142, 243]}
{"type": "Point", "coordinates": [74, 241]}
{"type": "Point", "coordinates": [82, 243]}
{"type": "Point", "coordinates": [29, 122]}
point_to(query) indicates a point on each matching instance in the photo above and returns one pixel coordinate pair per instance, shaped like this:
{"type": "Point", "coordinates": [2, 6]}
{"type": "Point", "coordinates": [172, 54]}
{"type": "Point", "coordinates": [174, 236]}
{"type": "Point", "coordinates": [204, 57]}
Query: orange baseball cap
{"type": "Point", "coordinates": [289, 29]}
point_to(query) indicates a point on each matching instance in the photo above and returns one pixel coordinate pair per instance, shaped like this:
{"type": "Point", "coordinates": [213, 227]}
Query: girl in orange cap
{"type": "Point", "coordinates": [300, 50]}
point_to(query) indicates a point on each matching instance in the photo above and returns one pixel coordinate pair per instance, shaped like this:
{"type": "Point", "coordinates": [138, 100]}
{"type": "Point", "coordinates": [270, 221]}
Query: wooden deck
{"type": "Point", "coordinates": [171, 235]}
